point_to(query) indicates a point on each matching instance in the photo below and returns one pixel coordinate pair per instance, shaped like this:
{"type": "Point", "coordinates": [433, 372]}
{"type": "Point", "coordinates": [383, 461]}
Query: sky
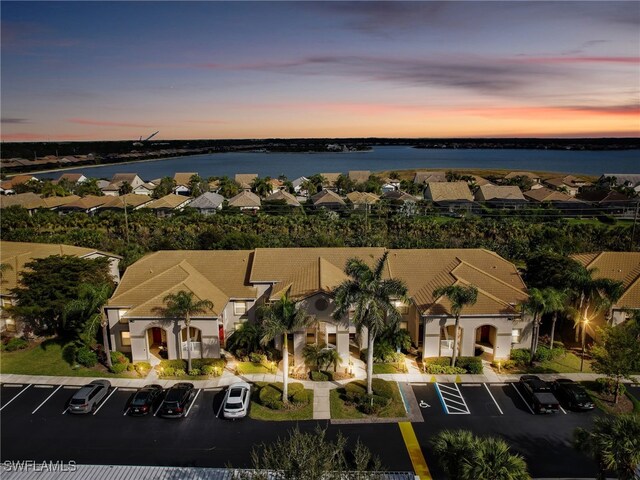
{"type": "Point", "coordinates": [192, 70]}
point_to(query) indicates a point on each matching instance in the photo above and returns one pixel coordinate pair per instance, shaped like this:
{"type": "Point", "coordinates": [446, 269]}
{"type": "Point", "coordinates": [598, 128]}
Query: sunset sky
{"type": "Point", "coordinates": [119, 70]}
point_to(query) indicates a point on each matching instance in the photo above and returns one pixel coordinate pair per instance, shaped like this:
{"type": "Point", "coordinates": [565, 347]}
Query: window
{"type": "Point", "coordinates": [239, 308]}
{"type": "Point", "coordinates": [10, 325]}
{"type": "Point", "coordinates": [515, 335]}
{"type": "Point", "coordinates": [125, 339]}
{"type": "Point", "coordinates": [401, 307]}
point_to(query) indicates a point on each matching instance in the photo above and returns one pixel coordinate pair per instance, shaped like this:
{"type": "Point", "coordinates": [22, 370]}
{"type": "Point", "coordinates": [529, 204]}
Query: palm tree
{"type": "Point", "coordinates": [280, 319]}
{"type": "Point", "coordinates": [536, 305]}
{"type": "Point", "coordinates": [4, 267]}
{"type": "Point", "coordinates": [261, 186]}
{"type": "Point", "coordinates": [370, 297]}
{"type": "Point", "coordinates": [614, 443]}
{"type": "Point", "coordinates": [556, 301]}
{"type": "Point", "coordinates": [246, 337]}
{"type": "Point", "coordinates": [89, 308]}
{"type": "Point", "coordinates": [125, 188]}
{"type": "Point", "coordinates": [492, 460]}
{"type": "Point", "coordinates": [451, 447]}
{"type": "Point", "coordinates": [183, 305]}
{"type": "Point", "coordinates": [459, 296]}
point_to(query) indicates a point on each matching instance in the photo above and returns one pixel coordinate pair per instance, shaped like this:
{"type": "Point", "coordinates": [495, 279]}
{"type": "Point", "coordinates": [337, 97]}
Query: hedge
{"type": "Point", "coordinates": [520, 356]}
{"type": "Point", "coordinates": [470, 364]}
{"type": "Point", "coordinates": [87, 357]}
{"type": "Point", "coordinates": [14, 344]}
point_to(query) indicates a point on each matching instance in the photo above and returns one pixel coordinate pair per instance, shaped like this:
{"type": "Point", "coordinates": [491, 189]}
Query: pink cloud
{"type": "Point", "coordinates": [105, 123]}
{"type": "Point", "coordinates": [566, 60]}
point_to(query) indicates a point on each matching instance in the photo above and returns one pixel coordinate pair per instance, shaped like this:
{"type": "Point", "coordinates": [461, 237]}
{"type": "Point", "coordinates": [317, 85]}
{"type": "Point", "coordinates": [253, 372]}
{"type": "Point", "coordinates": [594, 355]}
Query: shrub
{"type": "Point", "coordinates": [69, 352]}
{"type": "Point", "coordinates": [87, 357]}
{"type": "Point", "coordinates": [294, 388]}
{"type": "Point", "coordinates": [302, 396]}
{"type": "Point", "coordinates": [382, 388]}
{"type": "Point", "coordinates": [118, 367]}
{"type": "Point", "coordinates": [208, 370]}
{"type": "Point", "coordinates": [520, 356]}
{"type": "Point", "coordinates": [506, 364]}
{"type": "Point", "coordinates": [142, 368]}
{"type": "Point", "coordinates": [543, 354]}
{"type": "Point", "coordinates": [167, 372]}
{"type": "Point", "coordinates": [470, 364]}
{"type": "Point", "coordinates": [16, 343]}
{"type": "Point", "coordinates": [270, 396]}
{"type": "Point", "coordinates": [118, 357]}
{"type": "Point", "coordinates": [257, 358]}
{"type": "Point", "coordinates": [179, 372]}
{"type": "Point", "coordinates": [175, 364]}
{"type": "Point", "coordinates": [319, 376]}
{"type": "Point", "coordinates": [130, 367]}
{"type": "Point", "coordinates": [436, 369]}
{"type": "Point", "coordinates": [195, 372]}
{"type": "Point", "coordinates": [608, 386]}
{"type": "Point", "coordinates": [200, 363]}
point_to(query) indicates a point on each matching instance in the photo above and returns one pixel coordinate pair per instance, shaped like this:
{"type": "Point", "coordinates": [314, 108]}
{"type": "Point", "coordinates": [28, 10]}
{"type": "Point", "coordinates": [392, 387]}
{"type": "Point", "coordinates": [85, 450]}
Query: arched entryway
{"type": "Point", "coordinates": [196, 342]}
{"type": "Point", "coordinates": [485, 343]}
{"type": "Point", "coordinates": [157, 342]}
{"type": "Point", "coordinates": [447, 335]}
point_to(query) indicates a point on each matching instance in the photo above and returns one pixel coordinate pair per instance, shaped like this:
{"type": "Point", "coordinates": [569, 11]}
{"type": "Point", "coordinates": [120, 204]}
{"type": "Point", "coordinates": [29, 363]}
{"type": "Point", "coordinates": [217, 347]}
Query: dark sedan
{"type": "Point", "coordinates": [572, 394]}
{"type": "Point", "coordinates": [145, 400]}
{"type": "Point", "coordinates": [176, 401]}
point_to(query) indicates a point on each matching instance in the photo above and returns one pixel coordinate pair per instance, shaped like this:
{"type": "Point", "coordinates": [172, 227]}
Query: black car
{"type": "Point", "coordinates": [572, 394]}
{"type": "Point", "coordinates": [538, 394]}
{"type": "Point", "coordinates": [145, 400]}
{"type": "Point", "coordinates": [176, 401]}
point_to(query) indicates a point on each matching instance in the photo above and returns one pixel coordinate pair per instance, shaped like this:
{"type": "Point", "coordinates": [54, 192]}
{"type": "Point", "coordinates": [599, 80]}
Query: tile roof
{"type": "Point", "coordinates": [399, 196]}
{"type": "Point", "coordinates": [499, 192]}
{"type": "Point", "coordinates": [545, 194]}
{"type": "Point", "coordinates": [17, 180]}
{"type": "Point", "coordinates": [620, 266]}
{"type": "Point", "coordinates": [54, 202]}
{"type": "Point", "coordinates": [207, 200]}
{"type": "Point", "coordinates": [87, 203]}
{"type": "Point", "coordinates": [425, 177]}
{"type": "Point", "coordinates": [480, 181]}
{"type": "Point", "coordinates": [132, 200]}
{"type": "Point", "coordinates": [126, 177]}
{"type": "Point", "coordinates": [530, 175]}
{"type": "Point", "coordinates": [330, 178]}
{"type": "Point", "coordinates": [17, 254]}
{"type": "Point", "coordinates": [245, 179]}
{"type": "Point", "coordinates": [362, 198]}
{"type": "Point", "coordinates": [28, 200]}
{"type": "Point", "coordinates": [359, 176]}
{"type": "Point", "coordinates": [170, 201]}
{"type": "Point", "coordinates": [212, 275]}
{"type": "Point", "coordinates": [245, 199]}
{"type": "Point", "coordinates": [447, 191]}
{"type": "Point", "coordinates": [183, 178]}
{"type": "Point", "coordinates": [327, 197]}
{"type": "Point", "coordinates": [282, 195]}
{"type": "Point", "coordinates": [71, 177]}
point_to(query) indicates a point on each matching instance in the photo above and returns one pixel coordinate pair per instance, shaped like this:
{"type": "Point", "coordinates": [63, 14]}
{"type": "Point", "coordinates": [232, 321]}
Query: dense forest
{"type": "Point", "coordinates": [514, 238]}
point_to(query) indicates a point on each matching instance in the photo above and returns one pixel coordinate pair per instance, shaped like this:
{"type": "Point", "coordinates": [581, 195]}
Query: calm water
{"type": "Point", "coordinates": [294, 165]}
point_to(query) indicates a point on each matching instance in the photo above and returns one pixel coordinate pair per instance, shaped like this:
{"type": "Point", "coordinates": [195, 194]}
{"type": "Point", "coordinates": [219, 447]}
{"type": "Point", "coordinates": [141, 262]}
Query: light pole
{"type": "Point", "coordinates": [584, 335]}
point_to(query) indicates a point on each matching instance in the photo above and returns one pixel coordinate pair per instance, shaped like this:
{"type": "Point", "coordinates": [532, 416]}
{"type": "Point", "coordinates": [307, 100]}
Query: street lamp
{"type": "Point", "coordinates": [584, 336]}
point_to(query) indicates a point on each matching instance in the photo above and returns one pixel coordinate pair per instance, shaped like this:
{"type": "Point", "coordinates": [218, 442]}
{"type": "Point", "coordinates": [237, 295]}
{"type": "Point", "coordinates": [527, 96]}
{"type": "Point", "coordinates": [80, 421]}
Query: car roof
{"type": "Point", "coordinates": [239, 385]}
{"type": "Point", "coordinates": [84, 391]}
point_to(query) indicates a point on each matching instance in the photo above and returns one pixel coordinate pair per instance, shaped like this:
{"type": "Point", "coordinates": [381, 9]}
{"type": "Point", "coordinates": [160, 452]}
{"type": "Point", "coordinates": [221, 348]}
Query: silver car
{"type": "Point", "coordinates": [236, 400]}
{"type": "Point", "coordinates": [88, 397]}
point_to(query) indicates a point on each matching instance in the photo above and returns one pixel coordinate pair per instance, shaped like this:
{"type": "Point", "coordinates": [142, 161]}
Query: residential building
{"type": "Point", "coordinates": [620, 266]}
{"type": "Point", "coordinates": [423, 178]}
{"type": "Point", "coordinates": [501, 196]}
{"type": "Point", "coordinates": [208, 203]}
{"type": "Point", "coordinates": [245, 200]}
{"type": "Point", "coordinates": [282, 196]}
{"type": "Point", "coordinates": [327, 199]}
{"type": "Point", "coordinates": [611, 202]}
{"type": "Point", "coordinates": [449, 195]}
{"type": "Point", "coordinates": [72, 178]}
{"type": "Point", "coordinates": [146, 188]}
{"type": "Point", "coordinates": [17, 254]}
{"type": "Point", "coordinates": [131, 201]}
{"type": "Point", "coordinates": [399, 196]}
{"type": "Point", "coordinates": [362, 200]}
{"type": "Point", "coordinates": [239, 281]}
{"type": "Point", "coordinates": [29, 201]}
{"type": "Point", "coordinates": [359, 176]}
{"type": "Point", "coordinates": [183, 181]}
{"type": "Point", "coordinates": [245, 180]}
{"type": "Point", "coordinates": [567, 204]}
{"type": "Point", "coordinates": [330, 180]}
{"type": "Point", "coordinates": [7, 187]}
{"type": "Point", "coordinates": [390, 185]}
{"type": "Point", "coordinates": [88, 204]}
{"type": "Point", "coordinates": [629, 180]}
{"type": "Point", "coordinates": [568, 184]}
{"type": "Point", "coordinates": [167, 205]}
{"type": "Point", "coordinates": [131, 178]}
{"type": "Point", "coordinates": [297, 185]}
{"type": "Point", "coordinates": [54, 203]}
{"type": "Point", "coordinates": [535, 178]}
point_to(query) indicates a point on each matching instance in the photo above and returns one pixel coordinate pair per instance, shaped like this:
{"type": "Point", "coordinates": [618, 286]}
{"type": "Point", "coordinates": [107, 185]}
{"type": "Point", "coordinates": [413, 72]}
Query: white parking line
{"type": "Point", "coordinates": [72, 387]}
{"type": "Point", "coordinates": [493, 398]}
{"type": "Point", "coordinates": [14, 385]}
{"type": "Point", "coordinates": [45, 400]}
{"type": "Point", "coordinates": [220, 409]}
{"type": "Point", "coordinates": [470, 384]}
{"type": "Point", "coordinates": [525, 402]}
{"type": "Point", "coordinates": [105, 400]}
{"type": "Point", "coordinates": [192, 402]}
{"type": "Point", "coordinates": [43, 386]}
{"type": "Point", "coordinates": [458, 399]}
{"type": "Point", "coordinates": [125, 412]}
{"type": "Point", "coordinates": [562, 409]}
{"type": "Point", "coordinates": [17, 395]}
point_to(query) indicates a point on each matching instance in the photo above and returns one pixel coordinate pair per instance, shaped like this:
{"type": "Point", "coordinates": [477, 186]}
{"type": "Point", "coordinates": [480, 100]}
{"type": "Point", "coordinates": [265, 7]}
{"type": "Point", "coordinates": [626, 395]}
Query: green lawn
{"type": "Point", "coordinates": [340, 410]}
{"type": "Point", "coordinates": [570, 363]}
{"type": "Point", "coordinates": [387, 368]}
{"type": "Point", "coordinates": [46, 359]}
{"type": "Point", "coordinates": [290, 412]}
{"type": "Point", "coordinates": [249, 367]}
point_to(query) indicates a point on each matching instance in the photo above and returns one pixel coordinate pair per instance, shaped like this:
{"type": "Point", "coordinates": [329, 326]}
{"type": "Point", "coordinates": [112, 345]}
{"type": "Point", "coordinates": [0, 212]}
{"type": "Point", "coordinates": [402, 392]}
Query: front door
{"type": "Point", "coordinates": [157, 335]}
{"type": "Point", "coordinates": [221, 334]}
{"type": "Point", "coordinates": [485, 330]}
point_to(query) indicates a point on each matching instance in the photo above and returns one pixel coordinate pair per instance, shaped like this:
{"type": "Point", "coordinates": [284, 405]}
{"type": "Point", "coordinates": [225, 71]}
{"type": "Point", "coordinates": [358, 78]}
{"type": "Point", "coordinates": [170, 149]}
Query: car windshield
{"type": "Point", "coordinates": [140, 399]}
{"type": "Point", "coordinates": [580, 395]}
{"type": "Point", "coordinates": [236, 392]}
{"type": "Point", "coordinates": [175, 395]}
{"type": "Point", "coordinates": [170, 404]}
{"type": "Point", "coordinates": [233, 404]}
{"type": "Point", "coordinates": [77, 401]}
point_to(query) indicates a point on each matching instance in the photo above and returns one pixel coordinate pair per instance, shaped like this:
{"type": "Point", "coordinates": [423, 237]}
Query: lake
{"type": "Point", "coordinates": [294, 165]}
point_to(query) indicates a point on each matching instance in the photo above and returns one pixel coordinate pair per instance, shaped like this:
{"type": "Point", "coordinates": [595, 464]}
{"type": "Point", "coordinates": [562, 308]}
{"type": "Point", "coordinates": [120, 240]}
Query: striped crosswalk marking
{"type": "Point", "coordinates": [415, 452]}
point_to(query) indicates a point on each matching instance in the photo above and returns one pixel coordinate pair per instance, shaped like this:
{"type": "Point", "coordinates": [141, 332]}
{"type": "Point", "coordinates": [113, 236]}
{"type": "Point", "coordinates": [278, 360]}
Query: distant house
{"type": "Point", "coordinates": [449, 195]}
{"type": "Point", "coordinates": [629, 180]}
{"type": "Point", "coordinates": [72, 178]}
{"type": "Point", "coordinates": [165, 206]}
{"type": "Point", "coordinates": [281, 196]}
{"type": "Point", "coordinates": [359, 176]}
{"type": "Point", "coordinates": [208, 203]}
{"type": "Point", "coordinates": [131, 200]}
{"type": "Point", "coordinates": [183, 181]}
{"type": "Point", "coordinates": [330, 180]}
{"type": "Point", "coordinates": [398, 197]}
{"type": "Point", "coordinates": [7, 187]}
{"type": "Point", "coordinates": [245, 180]}
{"type": "Point", "coordinates": [245, 200]}
{"type": "Point", "coordinates": [28, 200]}
{"type": "Point", "coordinates": [611, 202]}
{"type": "Point", "coordinates": [422, 178]}
{"type": "Point", "coordinates": [88, 204]}
{"type": "Point", "coordinates": [501, 196]}
{"type": "Point", "coordinates": [531, 176]}
{"type": "Point", "coordinates": [390, 184]}
{"type": "Point", "coordinates": [362, 200]}
{"type": "Point", "coordinates": [54, 203]}
{"type": "Point", "coordinates": [569, 205]}
{"type": "Point", "coordinates": [144, 189]}
{"type": "Point", "coordinates": [327, 199]}
{"type": "Point", "coordinates": [479, 181]}
{"type": "Point", "coordinates": [297, 185]}
{"type": "Point", "coordinates": [131, 178]}
{"type": "Point", "coordinates": [568, 183]}
{"type": "Point", "coordinates": [17, 254]}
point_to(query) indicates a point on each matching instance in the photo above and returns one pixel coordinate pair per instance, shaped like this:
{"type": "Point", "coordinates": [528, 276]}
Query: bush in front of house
{"type": "Point", "coordinates": [118, 357]}
{"type": "Point", "coordinates": [14, 344]}
{"type": "Point", "coordinates": [142, 368]}
{"type": "Point", "coordinates": [69, 353]}
{"type": "Point", "coordinates": [175, 364]}
{"type": "Point", "coordinates": [317, 376]}
{"type": "Point", "coordinates": [470, 364]}
{"type": "Point", "coordinates": [520, 356]}
{"type": "Point", "coordinates": [119, 362]}
{"type": "Point", "coordinates": [270, 395]}
{"type": "Point", "coordinates": [356, 394]}
{"type": "Point", "coordinates": [257, 358]}
{"type": "Point", "coordinates": [545, 354]}
{"type": "Point", "coordinates": [119, 367]}
{"type": "Point", "coordinates": [200, 363]}
{"type": "Point", "coordinates": [86, 357]}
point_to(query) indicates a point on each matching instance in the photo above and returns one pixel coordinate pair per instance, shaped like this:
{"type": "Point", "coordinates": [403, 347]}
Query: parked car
{"type": "Point", "coordinates": [88, 397]}
{"type": "Point", "coordinates": [572, 394]}
{"type": "Point", "coordinates": [236, 400]}
{"type": "Point", "coordinates": [145, 400]}
{"type": "Point", "coordinates": [176, 400]}
{"type": "Point", "coordinates": [538, 394]}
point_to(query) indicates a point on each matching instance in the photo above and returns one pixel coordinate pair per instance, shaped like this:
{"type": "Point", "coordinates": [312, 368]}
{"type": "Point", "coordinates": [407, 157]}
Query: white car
{"type": "Point", "coordinates": [236, 400]}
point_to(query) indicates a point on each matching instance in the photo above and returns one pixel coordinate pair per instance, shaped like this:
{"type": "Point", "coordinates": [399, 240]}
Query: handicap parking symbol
{"type": "Point", "coordinates": [424, 404]}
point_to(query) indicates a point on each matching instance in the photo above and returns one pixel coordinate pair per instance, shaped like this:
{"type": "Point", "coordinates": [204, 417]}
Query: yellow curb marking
{"type": "Point", "coordinates": [433, 379]}
{"type": "Point", "coordinates": [458, 379]}
{"type": "Point", "coordinates": [415, 452]}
